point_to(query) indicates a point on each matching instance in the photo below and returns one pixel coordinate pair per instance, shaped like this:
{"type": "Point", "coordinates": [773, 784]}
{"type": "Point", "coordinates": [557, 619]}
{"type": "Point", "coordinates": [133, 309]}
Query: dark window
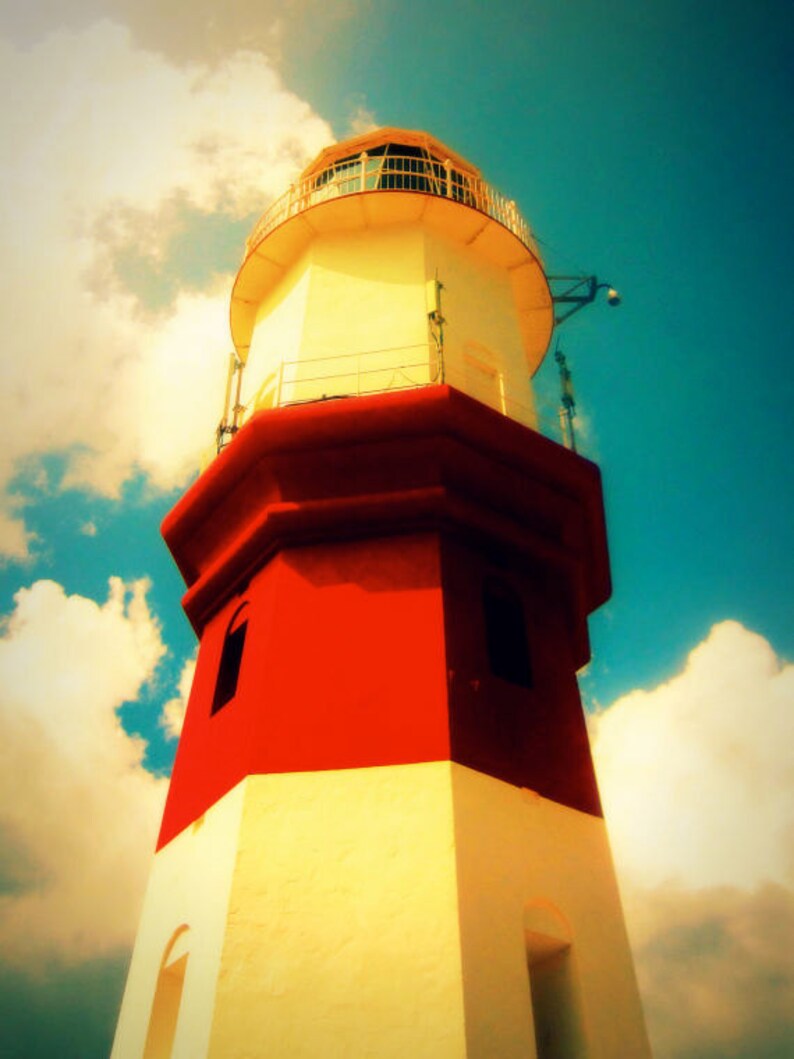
{"type": "Point", "coordinates": [231, 657]}
{"type": "Point", "coordinates": [558, 1026]}
{"type": "Point", "coordinates": [506, 634]}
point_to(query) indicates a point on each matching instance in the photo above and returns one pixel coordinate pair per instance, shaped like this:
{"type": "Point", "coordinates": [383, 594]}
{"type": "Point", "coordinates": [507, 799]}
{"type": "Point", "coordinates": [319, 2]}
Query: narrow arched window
{"type": "Point", "coordinates": [553, 982]}
{"type": "Point", "coordinates": [506, 633]}
{"type": "Point", "coordinates": [167, 997]}
{"type": "Point", "coordinates": [555, 1008]}
{"type": "Point", "coordinates": [231, 659]}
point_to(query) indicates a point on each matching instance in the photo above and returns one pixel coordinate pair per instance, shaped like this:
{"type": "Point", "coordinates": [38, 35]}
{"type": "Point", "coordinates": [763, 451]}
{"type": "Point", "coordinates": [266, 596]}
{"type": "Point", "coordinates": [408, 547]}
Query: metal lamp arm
{"type": "Point", "coordinates": [580, 291]}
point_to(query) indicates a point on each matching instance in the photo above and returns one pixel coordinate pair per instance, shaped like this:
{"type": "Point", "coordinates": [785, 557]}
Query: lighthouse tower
{"type": "Point", "coordinates": [383, 836]}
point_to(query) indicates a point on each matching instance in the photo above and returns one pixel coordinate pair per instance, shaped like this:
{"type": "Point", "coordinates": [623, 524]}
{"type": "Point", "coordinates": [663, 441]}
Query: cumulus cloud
{"type": "Point", "coordinates": [15, 537]}
{"type": "Point", "coordinates": [79, 810]}
{"type": "Point", "coordinates": [716, 971]}
{"type": "Point", "coordinates": [109, 149]}
{"type": "Point", "coordinates": [194, 29]}
{"type": "Point", "coordinates": [697, 775]}
{"type": "Point", "coordinates": [697, 780]}
{"type": "Point", "coordinates": [173, 716]}
{"type": "Point", "coordinates": [361, 120]}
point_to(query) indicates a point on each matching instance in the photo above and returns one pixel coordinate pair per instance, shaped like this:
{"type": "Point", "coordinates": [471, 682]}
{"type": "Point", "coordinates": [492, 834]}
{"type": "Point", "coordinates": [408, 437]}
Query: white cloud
{"type": "Point", "coordinates": [697, 775]}
{"type": "Point", "coordinates": [79, 811]}
{"type": "Point", "coordinates": [716, 971]}
{"type": "Point", "coordinates": [697, 780]}
{"type": "Point", "coordinates": [361, 120]}
{"type": "Point", "coordinates": [196, 29]}
{"type": "Point", "coordinates": [103, 137]}
{"type": "Point", "coordinates": [15, 538]}
{"type": "Point", "coordinates": [173, 716]}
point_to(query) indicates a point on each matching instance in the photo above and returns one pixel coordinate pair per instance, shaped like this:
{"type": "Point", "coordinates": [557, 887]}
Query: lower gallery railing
{"type": "Point", "coordinates": [399, 368]}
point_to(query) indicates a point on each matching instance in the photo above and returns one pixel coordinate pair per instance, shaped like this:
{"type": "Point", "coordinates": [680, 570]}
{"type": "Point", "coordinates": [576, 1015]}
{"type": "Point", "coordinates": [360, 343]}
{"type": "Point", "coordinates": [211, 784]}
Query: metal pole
{"type": "Point", "coordinates": [563, 427]}
{"type": "Point", "coordinates": [570, 428]}
{"type": "Point", "coordinates": [440, 322]}
{"type": "Point", "coordinates": [238, 408]}
{"type": "Point", "coordinates": [568, 402]}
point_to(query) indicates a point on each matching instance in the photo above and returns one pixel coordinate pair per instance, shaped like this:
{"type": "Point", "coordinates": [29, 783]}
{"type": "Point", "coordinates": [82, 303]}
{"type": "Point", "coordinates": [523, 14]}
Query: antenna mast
{"type": "Point", "coordinates": [226, 428]}
{"type": "Point", "coordinates": [567, 401]}
{"type": "Point", "coordinates": [437, 321]}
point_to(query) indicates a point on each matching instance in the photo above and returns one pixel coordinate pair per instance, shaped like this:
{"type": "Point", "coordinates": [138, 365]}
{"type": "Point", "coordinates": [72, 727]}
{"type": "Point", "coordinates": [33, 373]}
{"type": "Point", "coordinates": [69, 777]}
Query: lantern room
{"type": "Point", "coordinates": [390, 264]}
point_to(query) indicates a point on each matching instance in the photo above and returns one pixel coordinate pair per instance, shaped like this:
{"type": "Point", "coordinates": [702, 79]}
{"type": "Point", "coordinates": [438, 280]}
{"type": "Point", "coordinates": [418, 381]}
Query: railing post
{"type": "Point", "coordinates": [448, 171]}
{"type": "Point", "coordinates": [363, 156]}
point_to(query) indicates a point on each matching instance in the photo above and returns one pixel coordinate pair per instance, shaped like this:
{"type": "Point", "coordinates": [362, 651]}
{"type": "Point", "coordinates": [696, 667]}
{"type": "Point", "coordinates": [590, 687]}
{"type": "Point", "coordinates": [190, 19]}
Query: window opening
{"type": "Point", "coordinates": [399, 167]}
{"type": "Point", "coordinates": [407, 168]}
{"type": "Point", "coordinates": [231, 659]}
{"type": "Point", "coordinates": [167, 998]}
{"type": "Point", "coordinates": [506, 634]}
{"type": "Point", "coordinates": [554, 990]}
{"type": "Point", "coordinates": [558, 1031]}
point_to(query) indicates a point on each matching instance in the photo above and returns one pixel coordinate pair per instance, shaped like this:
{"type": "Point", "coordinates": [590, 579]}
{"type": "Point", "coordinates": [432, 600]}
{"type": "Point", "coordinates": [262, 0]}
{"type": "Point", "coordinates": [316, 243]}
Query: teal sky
{"type": "Point", "coordinates": [651, 144]}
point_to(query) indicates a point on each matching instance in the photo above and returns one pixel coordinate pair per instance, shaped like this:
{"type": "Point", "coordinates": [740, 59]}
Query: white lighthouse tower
{"type": "Point", "coordinates": [383, 836]}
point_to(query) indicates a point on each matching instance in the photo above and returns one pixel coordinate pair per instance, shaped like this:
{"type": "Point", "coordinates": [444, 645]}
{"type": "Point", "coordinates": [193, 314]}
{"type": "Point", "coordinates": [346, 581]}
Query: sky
{"type": "Point", "coordinates": [651, 144]}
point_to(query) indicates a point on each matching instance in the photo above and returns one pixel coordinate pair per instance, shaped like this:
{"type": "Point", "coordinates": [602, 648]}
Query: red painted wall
{"type": "Point", "coordinates": [359, 532]}
{"type": "Point", "coordinates": [532, 737]}
{"type": "Point", "coordinates": [343, 667]}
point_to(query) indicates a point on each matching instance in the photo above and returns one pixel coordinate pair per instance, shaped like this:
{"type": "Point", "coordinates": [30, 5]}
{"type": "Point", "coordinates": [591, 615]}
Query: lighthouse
{"type": "Point", "coordinates": [383, 836]}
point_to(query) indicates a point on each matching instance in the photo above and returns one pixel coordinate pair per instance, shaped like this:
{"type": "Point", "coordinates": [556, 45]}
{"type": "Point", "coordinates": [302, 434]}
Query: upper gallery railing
{"type": "Point", "coordinates": [385, 172]}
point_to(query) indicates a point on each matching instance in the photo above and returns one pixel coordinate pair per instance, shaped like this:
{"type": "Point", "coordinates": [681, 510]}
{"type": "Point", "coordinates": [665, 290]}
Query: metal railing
{"type": "Point", "coordinates": [389, 370]}
{"type": "Point", "coordinates": [385, 172]}
{"type": "Point", "coordinates": [348, 375]}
